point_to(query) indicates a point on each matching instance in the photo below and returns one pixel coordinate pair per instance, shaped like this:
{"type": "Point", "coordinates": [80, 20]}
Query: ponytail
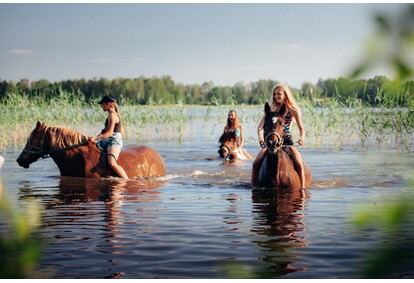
{"type": "Point", "coordinates": [119, 115]}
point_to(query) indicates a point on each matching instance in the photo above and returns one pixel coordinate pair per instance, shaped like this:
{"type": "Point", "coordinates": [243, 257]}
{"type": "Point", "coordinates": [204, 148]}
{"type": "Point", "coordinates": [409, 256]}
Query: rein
{"type": "Point", "coordinates": [231, 150]}
{"type": "Point", "coordinates": [45, 153]}
{"type": "Point", "coordinates": [226, 146]}
{"type": "Point", "coordinates": [40, 151]}
{"type": "Point", "coordinates": [279, 145]}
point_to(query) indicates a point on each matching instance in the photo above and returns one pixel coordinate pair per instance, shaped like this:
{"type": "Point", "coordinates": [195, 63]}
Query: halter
{"type": "Point", "coordinates": [278, 145]}
{"type": "Point", "coordinates": [228, 148]}
{"type": "Point", "coordinates": [45, 153]}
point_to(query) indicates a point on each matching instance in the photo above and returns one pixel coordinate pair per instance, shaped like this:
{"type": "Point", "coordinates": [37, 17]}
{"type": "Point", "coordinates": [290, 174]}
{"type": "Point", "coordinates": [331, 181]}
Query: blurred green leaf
{"type": "Point", "coordinates": [403, 69]}
{"type": "Point", "coordinates": [383, 24]}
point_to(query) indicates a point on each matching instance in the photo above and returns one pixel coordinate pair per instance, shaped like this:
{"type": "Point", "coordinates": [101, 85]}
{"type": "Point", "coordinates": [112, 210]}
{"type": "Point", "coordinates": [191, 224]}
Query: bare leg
{"type": "Point", "coordinates": [113, 154]}
{"type": "Point", "coordinates": [257, 163]}
{"type": "Point", "coordinates": [297, 159]}
{"type": "Point", "coordinates": [1, 161]}
{"type": "Point", "coordinates": [246, 154]}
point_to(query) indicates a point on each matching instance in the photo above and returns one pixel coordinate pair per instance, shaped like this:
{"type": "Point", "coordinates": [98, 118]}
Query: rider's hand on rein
{"type": "Point", "coordinates": [262, 144]}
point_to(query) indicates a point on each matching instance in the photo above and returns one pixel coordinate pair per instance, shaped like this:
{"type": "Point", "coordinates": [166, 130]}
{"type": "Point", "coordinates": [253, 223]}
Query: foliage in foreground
{"type": "Point", "coordinates": [20, 247]}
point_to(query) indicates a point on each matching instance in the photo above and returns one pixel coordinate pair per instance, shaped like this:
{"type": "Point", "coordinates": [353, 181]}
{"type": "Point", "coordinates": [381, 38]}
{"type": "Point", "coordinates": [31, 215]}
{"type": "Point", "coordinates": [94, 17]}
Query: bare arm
{"type": "Point", "coordinates": [260, 130]}
{"type": "Point", "coordinates": [241, 136]}
{"type": "Point", "coordinates": [111, 126]}
{"type": "Point", "coordinates": [296, 114]}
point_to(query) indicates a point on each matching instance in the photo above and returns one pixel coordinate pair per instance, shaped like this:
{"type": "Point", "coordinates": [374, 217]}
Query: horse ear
{"type": "Point", "coordinates": [221, 139]}
{"type": "Point", "coordinates": [40, 125]}
{"type": "Point", "coordinates": [267, 108]}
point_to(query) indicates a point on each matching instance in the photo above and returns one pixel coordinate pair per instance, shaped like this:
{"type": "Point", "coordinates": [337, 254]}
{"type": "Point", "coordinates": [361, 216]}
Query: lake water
{"type": "Point", "coordinates": [202, 220]}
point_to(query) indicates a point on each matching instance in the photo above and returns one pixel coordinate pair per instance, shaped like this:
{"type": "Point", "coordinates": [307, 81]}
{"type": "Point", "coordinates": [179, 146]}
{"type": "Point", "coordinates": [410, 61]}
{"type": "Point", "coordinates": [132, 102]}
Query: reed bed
{"type": "Point", "coordinates": [336, 125]}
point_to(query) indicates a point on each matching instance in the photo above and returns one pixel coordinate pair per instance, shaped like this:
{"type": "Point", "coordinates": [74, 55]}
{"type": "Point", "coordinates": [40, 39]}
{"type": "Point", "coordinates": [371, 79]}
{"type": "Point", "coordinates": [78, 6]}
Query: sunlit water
{"type": "Point", "coordinates": [202, 220]}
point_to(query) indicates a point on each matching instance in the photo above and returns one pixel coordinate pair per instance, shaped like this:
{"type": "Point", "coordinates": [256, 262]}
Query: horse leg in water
{"type": "Point", "coordinates": [113, 154]}
{"type": "Point", "coordinates": [257, 163]}
{"type": "Point", "coordinates": [297, 159]}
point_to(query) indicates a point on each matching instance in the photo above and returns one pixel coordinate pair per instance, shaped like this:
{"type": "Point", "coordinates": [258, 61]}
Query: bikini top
{"type": "Point", "coordinates": [117, 128]}
{"type": "Point", "coordinates": [237, 131]}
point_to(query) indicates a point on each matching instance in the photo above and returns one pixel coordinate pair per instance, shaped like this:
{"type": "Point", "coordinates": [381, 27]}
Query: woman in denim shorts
{"type": "Point", "coordinates": [110, 139]}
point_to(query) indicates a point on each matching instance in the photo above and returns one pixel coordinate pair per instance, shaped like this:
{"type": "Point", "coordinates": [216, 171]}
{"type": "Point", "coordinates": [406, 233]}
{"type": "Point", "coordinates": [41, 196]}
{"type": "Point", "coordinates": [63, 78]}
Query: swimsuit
{"type": "Point", "coordinates": [115, 139]}
{"type": "Point", "coordinates": [287, 137]}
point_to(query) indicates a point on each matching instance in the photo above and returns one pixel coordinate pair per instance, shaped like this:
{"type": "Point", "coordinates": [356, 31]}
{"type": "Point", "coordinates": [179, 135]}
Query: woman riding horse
{"type": "Point", "coordinates": [110, 139]}
{"type": "Point", "coordinates": [283, 103]}
{"type": "Point", "coordinates": [76, 156]}
{"type": "Point", "coordinates": [232, 139]}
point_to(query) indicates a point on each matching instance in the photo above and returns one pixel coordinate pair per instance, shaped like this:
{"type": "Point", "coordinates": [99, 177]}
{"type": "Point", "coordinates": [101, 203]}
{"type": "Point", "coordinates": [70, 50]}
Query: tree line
{"type": "Point", "coordinates": [164, 91]}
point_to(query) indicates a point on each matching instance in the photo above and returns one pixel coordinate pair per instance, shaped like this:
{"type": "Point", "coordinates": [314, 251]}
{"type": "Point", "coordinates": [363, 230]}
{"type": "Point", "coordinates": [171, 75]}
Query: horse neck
{"type": "Point", "coordinates": [233, 144]}
{"type": "Point", "coordinates": [71, 161]}
{"type": "Point", "coordinates": [60, 137]}
{"type": "Point", "coordinates": [273, 161]}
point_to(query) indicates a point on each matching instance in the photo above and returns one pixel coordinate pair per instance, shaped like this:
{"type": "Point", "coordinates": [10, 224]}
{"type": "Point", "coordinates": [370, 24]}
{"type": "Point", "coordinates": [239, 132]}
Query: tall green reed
{"type": "Point", "coordinates": [334, 122]}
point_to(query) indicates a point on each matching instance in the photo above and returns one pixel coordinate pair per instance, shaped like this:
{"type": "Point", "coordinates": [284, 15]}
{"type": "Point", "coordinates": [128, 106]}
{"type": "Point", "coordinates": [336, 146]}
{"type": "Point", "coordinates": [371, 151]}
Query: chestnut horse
{"type": "Point", "coordinates": [229, 148]}
{"type": "Point", "coordinates": [278, 169]}
{"type": "Point", "coordinates": [75, 156]}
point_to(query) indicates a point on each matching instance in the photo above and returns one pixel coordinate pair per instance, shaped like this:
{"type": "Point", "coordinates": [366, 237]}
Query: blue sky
{"type": "Point", "coordinates": [192, 43]}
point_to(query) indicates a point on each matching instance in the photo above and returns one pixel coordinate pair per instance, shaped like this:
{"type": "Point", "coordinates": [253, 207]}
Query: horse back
{"type": "Point", "coordinates": [288, 171]}
{"type": "Point", "coordinates": [288, 174]}
{"type": "Point", "coordinates": [280, 172]}
{"type": "Point", "coordinates": [141, 161]}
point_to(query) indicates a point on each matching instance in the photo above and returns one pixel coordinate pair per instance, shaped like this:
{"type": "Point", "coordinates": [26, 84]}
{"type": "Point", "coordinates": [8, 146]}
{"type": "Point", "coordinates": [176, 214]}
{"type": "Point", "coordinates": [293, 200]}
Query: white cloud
{"type": "Point", "coordinates": [257, 67]}
{"type": "Point", "coordinates": [20, 51]}
{"type": "Point", "coordinates": [290, 46]}
{"type": "Point", "coordinates": [249, 68]}
{"type": "Point", "coordinates": [103, 60]}
{"type": "Point", "coordinates": [135, 61]}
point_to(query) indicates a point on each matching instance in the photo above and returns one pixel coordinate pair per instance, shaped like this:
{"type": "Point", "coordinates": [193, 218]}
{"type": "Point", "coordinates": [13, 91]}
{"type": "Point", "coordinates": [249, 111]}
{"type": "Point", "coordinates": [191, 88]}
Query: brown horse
{"type": "Point", "coordinates": [75, 156]}
{"type": "Point", "coordinates": [229, 149]}
{"type": "Point", "coordinates": [278, 169]}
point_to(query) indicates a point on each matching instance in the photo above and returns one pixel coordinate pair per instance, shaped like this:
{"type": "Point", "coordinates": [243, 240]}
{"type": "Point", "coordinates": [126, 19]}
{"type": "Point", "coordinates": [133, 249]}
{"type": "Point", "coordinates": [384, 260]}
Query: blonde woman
{"type": "Point", "coordinates": [233, 125]}
{"type": "Point", "coordinates": [282, 102]}
{"type": "Point", "coordinates": [110, 137]}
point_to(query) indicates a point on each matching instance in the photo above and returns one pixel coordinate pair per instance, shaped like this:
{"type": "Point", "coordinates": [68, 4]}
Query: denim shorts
{"type": "Point", "coordinates": [114, 140]}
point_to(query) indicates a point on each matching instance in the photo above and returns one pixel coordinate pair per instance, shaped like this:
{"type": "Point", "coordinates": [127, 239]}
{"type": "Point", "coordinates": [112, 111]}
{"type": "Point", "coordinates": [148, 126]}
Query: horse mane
{"type": "Point", "coordinates": [227, 136]}
{"type": "Point", "coordinates": [61, 137]}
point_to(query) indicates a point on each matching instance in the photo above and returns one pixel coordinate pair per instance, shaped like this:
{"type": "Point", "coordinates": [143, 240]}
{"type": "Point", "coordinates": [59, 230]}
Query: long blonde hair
{"type": "Point", "coordinates": [236, 121]}
{"type": "Point", "coordinates": [290, 101]}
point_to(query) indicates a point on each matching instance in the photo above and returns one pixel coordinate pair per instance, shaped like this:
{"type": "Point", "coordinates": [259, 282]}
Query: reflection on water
{"type": "Point", "coordinates": [202, 218]}
{"type": "Point", "coordinates": [280, 218]}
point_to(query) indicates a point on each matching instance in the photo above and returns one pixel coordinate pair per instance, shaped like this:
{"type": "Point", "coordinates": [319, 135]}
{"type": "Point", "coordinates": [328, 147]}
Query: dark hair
{"type": "Point", "coordinates": [107, 98]}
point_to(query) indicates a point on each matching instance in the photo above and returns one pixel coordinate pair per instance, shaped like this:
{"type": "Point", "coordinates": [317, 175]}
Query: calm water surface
{"type": "Point", "coordinates": [202, 220]}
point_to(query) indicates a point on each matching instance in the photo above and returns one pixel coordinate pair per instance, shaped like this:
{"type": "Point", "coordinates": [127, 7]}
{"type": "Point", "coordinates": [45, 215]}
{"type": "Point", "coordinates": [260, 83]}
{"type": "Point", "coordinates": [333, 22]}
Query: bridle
{"type": "Point", "coordinates": [273, 146]}
{"type": "Point", "coordinates": [44, 153]}
{"type": "Point", "coordinates": [230, 154]}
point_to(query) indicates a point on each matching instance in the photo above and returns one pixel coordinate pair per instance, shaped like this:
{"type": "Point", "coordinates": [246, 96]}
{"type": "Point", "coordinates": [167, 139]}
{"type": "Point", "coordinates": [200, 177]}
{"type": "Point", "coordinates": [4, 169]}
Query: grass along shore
{"type": "Point", "coordinates": [335, 125]}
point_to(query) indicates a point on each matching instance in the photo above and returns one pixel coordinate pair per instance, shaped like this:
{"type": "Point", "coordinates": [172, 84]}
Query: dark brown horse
{"type": "Point", "coordinates": [227, 146]}
{"type": "Point", "coordinates": [278, 169]}
{"type": "Point", "coordinates": [75, 156]}
{"type": "Point", "coordinates": [229, 149]}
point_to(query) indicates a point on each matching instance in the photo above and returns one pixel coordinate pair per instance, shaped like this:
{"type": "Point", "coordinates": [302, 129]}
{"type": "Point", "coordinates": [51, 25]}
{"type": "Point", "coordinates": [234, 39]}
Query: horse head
{"type": "Point", "coordinates": [273, 130]}
{"type": "Point", "coordinates": [227, 145]}
{"type": "Point", "coordinates": [35, 146]}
